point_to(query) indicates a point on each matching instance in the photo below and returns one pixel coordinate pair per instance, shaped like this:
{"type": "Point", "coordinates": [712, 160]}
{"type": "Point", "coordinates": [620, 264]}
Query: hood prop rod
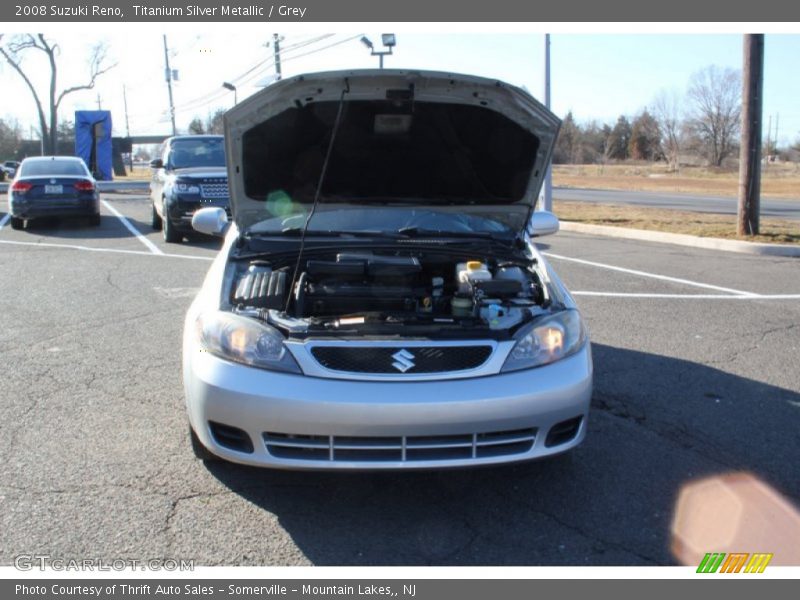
{"type": "Point", "coordinates": [334, 130]}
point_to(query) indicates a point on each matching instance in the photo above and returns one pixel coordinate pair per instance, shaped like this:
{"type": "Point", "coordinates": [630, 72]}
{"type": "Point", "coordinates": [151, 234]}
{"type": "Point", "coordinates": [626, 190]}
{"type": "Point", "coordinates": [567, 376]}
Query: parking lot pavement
{"type": "Point", "coordinates": [695, 352]}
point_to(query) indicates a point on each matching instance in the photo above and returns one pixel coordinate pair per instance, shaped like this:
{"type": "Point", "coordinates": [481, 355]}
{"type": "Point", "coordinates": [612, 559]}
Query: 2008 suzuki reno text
{"type": "Point", "coordinates": [378, 302]}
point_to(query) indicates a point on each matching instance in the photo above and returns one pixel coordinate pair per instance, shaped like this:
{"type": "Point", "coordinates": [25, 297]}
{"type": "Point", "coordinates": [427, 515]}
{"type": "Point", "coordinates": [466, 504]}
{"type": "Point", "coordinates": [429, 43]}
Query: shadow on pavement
{"type": "Point", "coordinates": [657, 423]}
{"type": "Point", "coordinates": [79, 228]}
{"type": "Point", "coordinates": [110, 228]}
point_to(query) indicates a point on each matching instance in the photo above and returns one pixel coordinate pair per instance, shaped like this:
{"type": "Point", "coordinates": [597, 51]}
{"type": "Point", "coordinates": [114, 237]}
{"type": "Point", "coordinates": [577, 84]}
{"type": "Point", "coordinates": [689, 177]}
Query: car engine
{"type": "Point", "coordinates": [357, 290]}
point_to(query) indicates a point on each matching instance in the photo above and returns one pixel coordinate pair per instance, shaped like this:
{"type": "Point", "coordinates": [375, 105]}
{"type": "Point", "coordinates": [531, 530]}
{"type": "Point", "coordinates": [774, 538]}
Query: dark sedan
{"type": "Point", "coordinates": [53, 186]}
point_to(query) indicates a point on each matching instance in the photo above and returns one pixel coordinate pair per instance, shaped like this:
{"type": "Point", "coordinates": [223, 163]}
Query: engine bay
{"type": "Point", "coordinates": [390, 292]}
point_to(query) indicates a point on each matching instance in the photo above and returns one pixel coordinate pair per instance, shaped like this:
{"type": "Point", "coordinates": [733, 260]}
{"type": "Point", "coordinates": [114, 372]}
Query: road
{"type": "Point", "coordinates": [770, 207]}
{"type": "Point", "coordinates": [695, 353]}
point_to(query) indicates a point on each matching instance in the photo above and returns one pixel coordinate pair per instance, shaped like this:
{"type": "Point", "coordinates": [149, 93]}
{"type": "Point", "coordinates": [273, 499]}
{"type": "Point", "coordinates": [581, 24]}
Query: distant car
{"type": "Point", "coordinates": [9, 167]}
{"type": "Point", "coordinates": [53, 186]}
{"type": "Point", "coordinates": [190, 175]}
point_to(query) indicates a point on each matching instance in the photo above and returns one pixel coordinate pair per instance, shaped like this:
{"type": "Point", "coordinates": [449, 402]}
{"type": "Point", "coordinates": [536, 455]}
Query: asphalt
{"type": "Point", "coordinates": [727, 205]}
{"type": "Point", "coordinates": [694, 378]}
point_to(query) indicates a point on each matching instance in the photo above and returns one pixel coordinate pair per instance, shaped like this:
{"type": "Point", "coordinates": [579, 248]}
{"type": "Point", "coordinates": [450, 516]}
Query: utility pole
{"type": "Point", "coordinates": [750, 151]}
{"type": "Point", "coordinates": [99, 106]}
{"type": "Point", "coordinates": [547, 189]}
{"type": "Point", "coordinates": [777, 120]}
{"type": "Point", "coordinates": [276, 49]}
{"type": "Point", "coordinates": [127, 125]}
{"type": "Point", "coordinates": [168, 73]}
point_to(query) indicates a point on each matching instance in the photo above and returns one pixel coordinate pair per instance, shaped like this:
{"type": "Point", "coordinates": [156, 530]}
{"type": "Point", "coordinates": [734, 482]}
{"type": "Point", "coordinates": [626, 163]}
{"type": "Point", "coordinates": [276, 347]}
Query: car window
{"type": "Point", "coordinates": [53, 167]}
{"type": "Point", "coordinates": [207, 152]}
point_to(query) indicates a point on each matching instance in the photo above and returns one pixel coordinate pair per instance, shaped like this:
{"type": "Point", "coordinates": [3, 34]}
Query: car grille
{"type": "Point", "coordinates": [214, 190]}
{"type": "Point", "coordinates": [397, 359]}
{"type": "Point", "coordinates": [400, 448]}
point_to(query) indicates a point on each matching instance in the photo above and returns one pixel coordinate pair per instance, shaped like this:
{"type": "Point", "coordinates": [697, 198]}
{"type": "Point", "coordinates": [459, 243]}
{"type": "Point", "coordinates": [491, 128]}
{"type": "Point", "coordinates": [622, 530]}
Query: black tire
{"type": "Point", "coordinates": [95, 220]}
{"type": "Point", "coordinates": [17, 223]}
{"type": "Point", "coordinates": [171, 235]}
{"type": "Point", "coordinates": [155, 219]}
{"type": "Point", "coordinates": [198, 449]}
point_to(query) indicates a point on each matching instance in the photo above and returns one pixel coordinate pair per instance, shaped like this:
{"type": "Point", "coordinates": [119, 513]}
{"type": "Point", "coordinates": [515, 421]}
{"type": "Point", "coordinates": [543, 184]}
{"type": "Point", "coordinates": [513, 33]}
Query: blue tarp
{"type": "Point", "coordinates": [93, 142]}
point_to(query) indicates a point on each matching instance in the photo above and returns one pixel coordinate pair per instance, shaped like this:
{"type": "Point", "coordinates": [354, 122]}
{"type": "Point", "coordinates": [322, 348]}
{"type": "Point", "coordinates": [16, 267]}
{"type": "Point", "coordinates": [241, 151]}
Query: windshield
{"type": "Point", "coordinates": [55, 167]}
{"type": "Point", "coordinates": [199, 152]}
{"type": "Point", "coordinates": [383, 219]}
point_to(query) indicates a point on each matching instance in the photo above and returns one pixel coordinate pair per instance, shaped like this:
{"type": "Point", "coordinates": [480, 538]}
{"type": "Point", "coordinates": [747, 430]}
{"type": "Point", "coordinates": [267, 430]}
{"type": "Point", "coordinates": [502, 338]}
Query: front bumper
{"type": "Point", "coordinates": [326, 413]}
{"type": "Point", "coordinates": [181, 211]}
{"type": "Point", "coordinates": [45, 209]}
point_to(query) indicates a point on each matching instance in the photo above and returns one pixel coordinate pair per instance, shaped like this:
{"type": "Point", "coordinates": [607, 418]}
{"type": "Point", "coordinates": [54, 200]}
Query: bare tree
{"type": "Point", "coordinates": [715, 98]}
{"type": "Point", "coordinates": [667, 111]}
{"type": "Point", "coordinates": [14, 52]}
{"type": "Point", "coordinates": [196, 127]}
{"type": "Point", "coordinates": [645, 140]}
{"type": "Point", "coordinates": [214, 123]}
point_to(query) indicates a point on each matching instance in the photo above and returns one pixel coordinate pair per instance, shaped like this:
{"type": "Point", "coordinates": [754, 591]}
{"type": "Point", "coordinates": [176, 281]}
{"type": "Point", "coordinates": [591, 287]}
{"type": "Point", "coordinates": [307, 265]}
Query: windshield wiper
{"type": "Point", "coordinates": [298, 232]}
{"type": "Point", "coordinates": [415, 232]}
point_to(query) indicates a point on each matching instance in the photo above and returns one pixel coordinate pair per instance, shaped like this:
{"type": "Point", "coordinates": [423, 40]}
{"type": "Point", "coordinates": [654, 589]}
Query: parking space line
{"type": "Point", "coordinates": [650, 275]}
{"type": "Point", "coordinates": [689, 296]}
{"type": "Point", "coordinates": [153, 248]}
{"type": "Point", "coordinates": [5, 220]}
{"type": "Point", "coordinates": [112, 250]}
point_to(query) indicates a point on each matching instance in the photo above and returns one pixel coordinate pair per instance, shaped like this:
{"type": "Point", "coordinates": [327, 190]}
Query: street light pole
{"type": "Point", "coordinates": [231, 87]}
{"type": "Point", "coordinates": [389, 41]}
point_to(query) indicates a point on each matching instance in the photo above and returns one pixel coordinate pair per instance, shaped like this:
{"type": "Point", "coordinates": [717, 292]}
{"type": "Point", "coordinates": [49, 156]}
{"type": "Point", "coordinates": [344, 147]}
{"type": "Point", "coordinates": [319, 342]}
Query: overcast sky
{"type": "Point", "coordinates": [597, 76]}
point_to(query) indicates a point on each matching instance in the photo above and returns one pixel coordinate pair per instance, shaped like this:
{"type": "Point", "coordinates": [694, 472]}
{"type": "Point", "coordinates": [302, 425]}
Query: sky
{"type": "Point", "coordinates": [597, 76]}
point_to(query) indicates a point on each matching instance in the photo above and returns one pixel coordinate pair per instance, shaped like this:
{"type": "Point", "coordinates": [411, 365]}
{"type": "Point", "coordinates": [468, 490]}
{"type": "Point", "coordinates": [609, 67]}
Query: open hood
{"type": "Point", "coordinates": [405, 139]}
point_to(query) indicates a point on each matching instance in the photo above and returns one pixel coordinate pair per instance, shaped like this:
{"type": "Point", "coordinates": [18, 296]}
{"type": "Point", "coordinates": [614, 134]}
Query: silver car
{"type": "Point", "coordinates": [379, 302]}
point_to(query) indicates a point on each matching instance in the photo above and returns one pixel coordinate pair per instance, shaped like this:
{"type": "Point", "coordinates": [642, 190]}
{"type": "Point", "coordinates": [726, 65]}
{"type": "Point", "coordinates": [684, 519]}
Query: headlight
{"type": "Point", "coordinates": [546, 341]}
{"type": "Point", "coordinates": [186, 188]}
{"type": "Point", "coordinates": [244, 341]}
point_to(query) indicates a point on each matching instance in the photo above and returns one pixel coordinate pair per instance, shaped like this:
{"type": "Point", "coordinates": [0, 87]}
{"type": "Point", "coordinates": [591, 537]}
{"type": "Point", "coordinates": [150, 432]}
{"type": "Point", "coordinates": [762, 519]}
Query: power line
{"type": "Point", "coordinates": [251, 74]}
{"type": "Point", "coordinates": [262, 67]}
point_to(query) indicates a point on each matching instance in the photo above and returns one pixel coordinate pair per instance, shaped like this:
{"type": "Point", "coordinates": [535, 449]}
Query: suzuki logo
{"type": "Point", "coordinates": [403, 360]}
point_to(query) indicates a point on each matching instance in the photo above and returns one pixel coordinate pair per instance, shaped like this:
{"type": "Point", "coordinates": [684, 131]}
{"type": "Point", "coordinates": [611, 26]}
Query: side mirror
{"type": "Point", "coordinates": [157, 163]}
{"type": "Point", "coordinates": [211, 221]}
{"type": "Point", "coordinates": [542, 223]}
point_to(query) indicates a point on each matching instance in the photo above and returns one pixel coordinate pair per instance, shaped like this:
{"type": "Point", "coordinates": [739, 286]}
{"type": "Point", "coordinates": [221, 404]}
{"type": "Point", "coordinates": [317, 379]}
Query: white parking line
{"type": "Point", "coordinates": [153, 248]}
{"type": "Point", "coordinates": [690, 296]}
{"type": "Point", "coordinates": [113, 250]}
{"type": "Point", "coordinates": [4, 220]}
{"type": "Point", "coordinates": [650, 275]}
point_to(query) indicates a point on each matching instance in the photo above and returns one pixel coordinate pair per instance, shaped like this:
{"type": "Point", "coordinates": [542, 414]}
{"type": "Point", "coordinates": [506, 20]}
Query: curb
{"type": "Point", "coordinates": [682, 239]}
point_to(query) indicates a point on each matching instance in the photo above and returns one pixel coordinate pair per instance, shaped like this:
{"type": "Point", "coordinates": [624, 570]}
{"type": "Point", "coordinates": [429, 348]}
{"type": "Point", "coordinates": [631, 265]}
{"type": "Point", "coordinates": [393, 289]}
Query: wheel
{"type": "Point", "coordinates": [155, 219]}
{"type": "Point", "coordinates": [198, 449]}
{"type": "Point", "coordinates": [17, 223]}
{"type": "Point", "coordinates": [171, 235]}
{"type": "Point", "coordinates": [94, 220]}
